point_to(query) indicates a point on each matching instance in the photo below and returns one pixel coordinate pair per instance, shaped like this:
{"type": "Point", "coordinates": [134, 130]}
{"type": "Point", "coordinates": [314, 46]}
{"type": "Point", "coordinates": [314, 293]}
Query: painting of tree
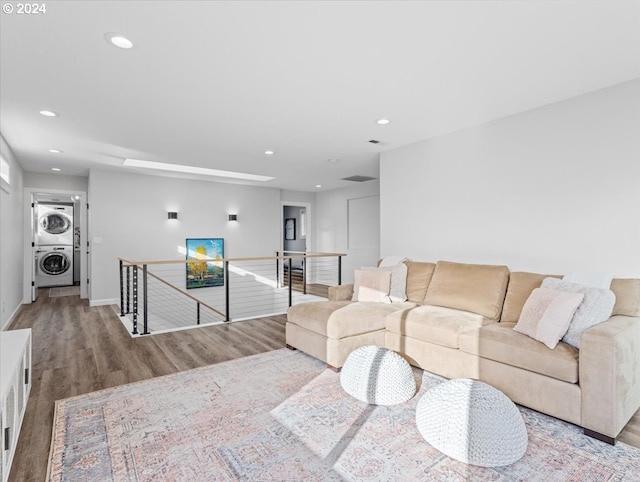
{"type": "Point", "coordinates": [204, 262]}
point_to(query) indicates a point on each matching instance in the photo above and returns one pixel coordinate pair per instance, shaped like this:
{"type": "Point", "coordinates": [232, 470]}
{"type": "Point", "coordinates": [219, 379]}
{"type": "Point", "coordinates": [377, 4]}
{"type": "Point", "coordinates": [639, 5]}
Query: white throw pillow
{"type": "Point", "coordinates": [595, 308]}
{"type": "Point", "coordinates": [547, 313]}
{"type": "Point", "coordinates": [398, 288]}
{"type": "Point", "coordinates": [371, 285]}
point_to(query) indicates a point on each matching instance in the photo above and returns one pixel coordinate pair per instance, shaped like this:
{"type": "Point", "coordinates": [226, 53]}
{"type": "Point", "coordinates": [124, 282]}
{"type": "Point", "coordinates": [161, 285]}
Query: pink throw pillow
{"type": "Point", "coordinates": [371, 285]}
{"type": "Point", "coordinates": [547, 314]}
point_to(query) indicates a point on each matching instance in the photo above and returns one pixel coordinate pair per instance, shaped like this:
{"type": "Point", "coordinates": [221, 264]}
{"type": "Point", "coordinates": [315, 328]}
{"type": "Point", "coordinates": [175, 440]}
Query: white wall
{"type": "Point", "coordinates": [129, 213]}
{"type": "Point", "coordinates": [55, 181]}
{"type": "Point", "coordinates": [297, 196]}
{"type": "Point", "coordinates": [332, 226]}
{"type": "Point", "coordinates": [556, 189]}
{"type": "Point", "coordinates": [12, 243]}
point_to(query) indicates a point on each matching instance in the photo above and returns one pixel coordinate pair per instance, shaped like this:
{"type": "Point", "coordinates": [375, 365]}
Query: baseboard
{"type": "Point", "coordinates": [109, 301]}
{"type": "Point", "coordinates": [7, 323]}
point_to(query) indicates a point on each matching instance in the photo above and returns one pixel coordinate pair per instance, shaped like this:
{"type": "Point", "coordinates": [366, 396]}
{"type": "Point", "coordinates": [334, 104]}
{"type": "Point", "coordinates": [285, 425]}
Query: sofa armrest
{"type": "Point", "coordinates": [341, 292]}
{"type": "Point", "coordinates": [610, 374]}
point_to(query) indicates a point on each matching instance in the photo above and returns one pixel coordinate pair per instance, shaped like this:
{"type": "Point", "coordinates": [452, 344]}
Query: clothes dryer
{"type": "Point", "coordinates": [55, 225]}
{"type": "Point", "coordinates": [55, 266]}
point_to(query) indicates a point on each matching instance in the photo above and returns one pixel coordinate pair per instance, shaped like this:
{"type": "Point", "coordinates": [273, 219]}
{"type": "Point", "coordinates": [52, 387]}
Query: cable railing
{"type": "Point", "coordinates": [307, 273]}
{"type": "Point", "coordinates": [154, 295]}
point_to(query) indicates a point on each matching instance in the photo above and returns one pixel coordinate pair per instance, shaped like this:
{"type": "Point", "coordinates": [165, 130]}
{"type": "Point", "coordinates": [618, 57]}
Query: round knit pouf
{"type": "Point", "coordinates": [379, 376]}
{"type": "Point", "coordinates": [472, 422]}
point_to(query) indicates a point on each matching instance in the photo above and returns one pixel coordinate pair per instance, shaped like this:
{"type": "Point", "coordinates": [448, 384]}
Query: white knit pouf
{"type": "Point", "coordinates": [379, 376]}
{"type": "Point", "coordinates": [472, 422]}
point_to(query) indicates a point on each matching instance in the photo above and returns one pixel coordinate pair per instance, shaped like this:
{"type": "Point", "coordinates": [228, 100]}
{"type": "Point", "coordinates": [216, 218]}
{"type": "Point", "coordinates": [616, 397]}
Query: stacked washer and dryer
{"type": "Point", "coordinates": [54, 239]}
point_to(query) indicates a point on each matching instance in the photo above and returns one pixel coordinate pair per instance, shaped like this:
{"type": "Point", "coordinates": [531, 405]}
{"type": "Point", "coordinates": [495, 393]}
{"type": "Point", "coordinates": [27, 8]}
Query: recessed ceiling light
{"type": "Point", "coordinates": [318, 185]}
{"type": "Point", "coordinates": [383, 122]}
{"type": "Point", "coordinates": [57, 169]}
{"type": "Point", "coordinates": [55, 151]}
{"type": "Point", "coordinates": [269, 153]}
{"type": "Point", "coordinates": [48, 113]}
{"type": "Point", "coordinates": [194, 170]}
{"type": "Point", "coordinates": [118, 40]}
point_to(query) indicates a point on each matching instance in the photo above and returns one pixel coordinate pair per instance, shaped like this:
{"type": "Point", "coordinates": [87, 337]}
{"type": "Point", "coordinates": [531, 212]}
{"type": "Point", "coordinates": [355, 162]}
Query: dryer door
{"type": "Point", "coordinates": [55, 223]}
{"type": "Point", "coordinates": [54, 263]}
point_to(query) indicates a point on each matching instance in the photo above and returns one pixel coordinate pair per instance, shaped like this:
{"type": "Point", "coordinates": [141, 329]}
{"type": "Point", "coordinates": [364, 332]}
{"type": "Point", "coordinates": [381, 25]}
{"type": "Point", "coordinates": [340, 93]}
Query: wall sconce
{"type": "Point", "coordinates": [233, 217]}
{"type": "Point", "coordinates": [172, 215]}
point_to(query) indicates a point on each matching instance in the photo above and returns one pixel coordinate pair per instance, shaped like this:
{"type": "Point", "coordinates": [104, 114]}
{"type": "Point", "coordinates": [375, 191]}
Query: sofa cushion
{"type": "Point", "coordinates": [434, 324]}
{"type": "Point", "coordinates": [521, 284]}
{"type": "Point", "coordinates": [499, 342]}
{"type": "Point", "coordinates": [418, 278]}
{"type": "Point", "coordinates": [361, 317]}
{"type": "Point", "coordinates": [314, 315]}
{"type": "Point", "coordinates": [371, 285]}
{"type": "Point", "coordinates": [339, 319]}
{"type": "Point", "coordinates": [627, 293]}
{"type": "Point", "coordinates": [547, 314]}
{"type": "Point", "coordinates": [469, 287]}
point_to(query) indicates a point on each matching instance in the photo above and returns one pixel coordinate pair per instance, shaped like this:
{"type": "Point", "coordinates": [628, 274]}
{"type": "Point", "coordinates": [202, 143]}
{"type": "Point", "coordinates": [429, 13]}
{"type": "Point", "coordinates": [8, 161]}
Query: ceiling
{"type": "Point", "coordinates": [216, 84]}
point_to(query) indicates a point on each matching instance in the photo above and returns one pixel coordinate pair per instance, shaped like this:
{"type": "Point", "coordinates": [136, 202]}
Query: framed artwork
{"type": "Point", "coordinates": [204, 262]}
{"type": "Point", "coordinates": [290, 229]}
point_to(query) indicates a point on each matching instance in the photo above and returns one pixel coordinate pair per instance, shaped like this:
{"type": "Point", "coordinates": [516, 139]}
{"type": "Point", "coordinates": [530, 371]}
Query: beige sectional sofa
{"type": "Point", "coordinates": [458, 322]}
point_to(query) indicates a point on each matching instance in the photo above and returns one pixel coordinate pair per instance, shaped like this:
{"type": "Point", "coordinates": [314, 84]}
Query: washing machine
{"type": "Point", "coordinates": [55, 225]}
{"type": "Point", "coordinates": [54, 266]}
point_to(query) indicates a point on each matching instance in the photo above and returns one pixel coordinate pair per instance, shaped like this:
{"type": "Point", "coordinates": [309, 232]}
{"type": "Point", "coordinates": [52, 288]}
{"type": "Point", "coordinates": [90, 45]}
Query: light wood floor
{"type": "Point", "coordinates": [78, 349]}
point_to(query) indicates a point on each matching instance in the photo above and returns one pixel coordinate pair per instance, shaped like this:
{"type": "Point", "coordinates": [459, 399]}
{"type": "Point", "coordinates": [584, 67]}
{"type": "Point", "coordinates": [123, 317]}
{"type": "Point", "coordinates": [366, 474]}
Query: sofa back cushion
{"type": "Point", "coordinates": [418, 278]}
{"type": "Point", "coordinates": [627, 293]}
{"type": "Point", "coordinates": [470, 287]}
{"type": "Point", "coordinates": [521, 285]}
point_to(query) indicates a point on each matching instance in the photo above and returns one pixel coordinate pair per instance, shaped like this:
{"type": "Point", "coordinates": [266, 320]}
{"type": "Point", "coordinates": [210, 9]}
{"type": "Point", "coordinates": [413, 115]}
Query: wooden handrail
{"type": "Point", "coordinates": [222, 260]}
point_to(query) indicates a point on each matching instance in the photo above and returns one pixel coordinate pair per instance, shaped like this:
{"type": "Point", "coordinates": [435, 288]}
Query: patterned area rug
{"type": "Point", "coordinates": [283, 416]}
{"type": "Point", "coordinates": [64, 291]}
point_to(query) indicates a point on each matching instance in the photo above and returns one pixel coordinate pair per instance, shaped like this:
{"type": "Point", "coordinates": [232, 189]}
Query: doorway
{"type": "Point", "coordinates": [295, 238]}
{"type": "Point", "coordinates": [43, 239]}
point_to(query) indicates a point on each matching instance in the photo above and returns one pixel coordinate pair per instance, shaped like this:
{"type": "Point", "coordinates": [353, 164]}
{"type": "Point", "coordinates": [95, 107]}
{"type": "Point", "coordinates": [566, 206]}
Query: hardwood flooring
{"type": "Point", "coordinates": [79, 349]}
{"type": "Point", "coordinates": [297, 284]}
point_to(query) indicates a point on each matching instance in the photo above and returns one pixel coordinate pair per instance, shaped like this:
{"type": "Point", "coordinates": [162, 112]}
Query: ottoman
{"type": "Point", "coordinates": [378, 376]}
{"type": "Point", "coordinates": [472, 422]}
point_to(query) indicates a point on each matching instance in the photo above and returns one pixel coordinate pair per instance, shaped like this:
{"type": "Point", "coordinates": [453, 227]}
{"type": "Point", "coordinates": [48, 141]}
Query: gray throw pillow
{"type": "Point", "coordinates": [595, 308]}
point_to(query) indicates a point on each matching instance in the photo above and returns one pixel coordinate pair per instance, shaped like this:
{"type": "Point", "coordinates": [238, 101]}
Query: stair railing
{"type": "Point", "coordinates": [248, 283]}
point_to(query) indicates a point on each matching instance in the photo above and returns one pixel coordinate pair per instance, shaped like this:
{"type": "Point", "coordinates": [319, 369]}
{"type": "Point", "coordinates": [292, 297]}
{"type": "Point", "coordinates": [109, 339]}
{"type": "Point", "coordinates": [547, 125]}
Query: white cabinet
{"type": "Point", "coordinates": [15, 378]}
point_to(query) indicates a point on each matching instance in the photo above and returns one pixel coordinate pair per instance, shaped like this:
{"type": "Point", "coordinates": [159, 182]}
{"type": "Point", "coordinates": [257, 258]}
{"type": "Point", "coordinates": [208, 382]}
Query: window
{"type": "Point", "coordinates": [5, 174]}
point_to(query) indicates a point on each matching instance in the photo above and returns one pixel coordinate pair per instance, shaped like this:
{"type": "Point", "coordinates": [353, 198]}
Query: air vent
{"type": "Point", "coordinates": [358, 178]}
{"type": "Point", "coordinates": [374, 141]}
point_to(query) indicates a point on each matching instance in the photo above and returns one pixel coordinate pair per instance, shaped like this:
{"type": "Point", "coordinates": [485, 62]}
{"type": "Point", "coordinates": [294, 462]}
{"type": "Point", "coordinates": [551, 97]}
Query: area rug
{"type": "Point", "coordinates": [283, 416]}
{"type": "Point", "coordinates": [64, 291]}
